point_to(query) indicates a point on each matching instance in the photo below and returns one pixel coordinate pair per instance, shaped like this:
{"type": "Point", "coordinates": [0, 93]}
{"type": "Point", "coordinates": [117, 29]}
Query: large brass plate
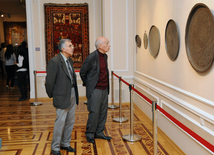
{"type": "Point", "coordinates": [154, 41]}
{"type": "Point", "coordinates": [199, 37]}
{"type": "Point", "coordinates": [172, 40]}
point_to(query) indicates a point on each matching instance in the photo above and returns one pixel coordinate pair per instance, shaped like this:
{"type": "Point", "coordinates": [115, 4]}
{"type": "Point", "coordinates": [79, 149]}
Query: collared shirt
{"type": "Point", "coordinates": [65, 59]}
{"type": "Point", "coordinates": [72, 100]}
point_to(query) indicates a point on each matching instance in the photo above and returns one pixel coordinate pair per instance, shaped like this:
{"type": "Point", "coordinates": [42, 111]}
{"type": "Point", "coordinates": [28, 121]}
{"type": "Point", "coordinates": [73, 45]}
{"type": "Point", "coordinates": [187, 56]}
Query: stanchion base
{"type": "Point", "coordinates": [113, 106]}
{"type": "Point", "coordinates": [85, 102]}
{"type": "Point", "coordinates": [122, 119]}
{"type": "Point", "coordinates": [36, 103]}
{"type": "Point", "coordinates": [133, 138]}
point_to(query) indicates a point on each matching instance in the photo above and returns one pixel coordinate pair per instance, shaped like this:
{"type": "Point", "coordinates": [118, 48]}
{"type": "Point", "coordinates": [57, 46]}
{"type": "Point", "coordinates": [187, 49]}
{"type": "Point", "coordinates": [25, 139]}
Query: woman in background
{"type": "Point", "coordinates": [10, 60]}
{"type": "Point", "coordinates": [22, 72]}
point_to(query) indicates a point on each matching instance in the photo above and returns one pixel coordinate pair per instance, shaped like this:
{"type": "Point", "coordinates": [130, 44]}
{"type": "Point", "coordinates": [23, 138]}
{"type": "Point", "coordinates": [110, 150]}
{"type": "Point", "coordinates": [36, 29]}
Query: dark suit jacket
{"type": "Point", "coordinates": [90, 70]}
{"type": "Point", "coordinates": [58, 82]}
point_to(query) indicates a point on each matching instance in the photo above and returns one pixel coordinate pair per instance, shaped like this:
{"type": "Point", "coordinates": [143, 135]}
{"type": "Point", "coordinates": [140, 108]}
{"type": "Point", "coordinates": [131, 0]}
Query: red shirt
{"type": "Point", "coordinates": [103, 80]}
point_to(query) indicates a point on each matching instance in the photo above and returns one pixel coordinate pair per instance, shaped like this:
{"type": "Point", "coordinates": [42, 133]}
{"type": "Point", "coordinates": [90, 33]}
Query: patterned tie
{"type": "Point", "coordinates": [69, 68]}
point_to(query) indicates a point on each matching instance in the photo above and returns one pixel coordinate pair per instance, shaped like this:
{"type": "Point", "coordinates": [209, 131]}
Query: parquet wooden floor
{"type": "Point", "coordinates": [27, 130]}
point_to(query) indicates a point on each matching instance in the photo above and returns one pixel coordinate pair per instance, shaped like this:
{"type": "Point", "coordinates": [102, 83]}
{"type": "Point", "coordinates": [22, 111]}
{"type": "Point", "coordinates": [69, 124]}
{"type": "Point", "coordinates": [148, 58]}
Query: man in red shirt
{"type": "Point", "coordinates": [95, 76]}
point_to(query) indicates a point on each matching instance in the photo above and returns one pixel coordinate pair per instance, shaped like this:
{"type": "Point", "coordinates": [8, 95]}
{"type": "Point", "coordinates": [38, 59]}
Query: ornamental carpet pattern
{"type": "Point", "coordinates": [27, 130]}
{"type": "Point", "coordinates": [67, 21]}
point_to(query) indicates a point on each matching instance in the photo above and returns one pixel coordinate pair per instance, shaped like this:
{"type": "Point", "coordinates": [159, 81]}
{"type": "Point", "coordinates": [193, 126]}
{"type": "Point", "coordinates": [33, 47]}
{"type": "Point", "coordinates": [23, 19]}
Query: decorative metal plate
{"type": "Point", "coordinates": [154, 41]}
{"type": "Point", "coordinates": [172, 40]}
{"type": "Point", "coordinates": [145, 40]}
{"type": "Point", "coordinates": [138, 41]}
{"type": "Point", "coordinates": [199, 37]}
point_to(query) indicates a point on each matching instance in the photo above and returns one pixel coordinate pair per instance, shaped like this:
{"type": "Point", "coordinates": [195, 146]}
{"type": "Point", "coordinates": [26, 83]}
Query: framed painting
{"type": "Point", "coordinates": [67, 21]}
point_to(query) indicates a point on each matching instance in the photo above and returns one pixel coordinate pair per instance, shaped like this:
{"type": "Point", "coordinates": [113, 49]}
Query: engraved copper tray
{"type": "Point", "coordinates": [138, 41]}
{"type": "Point", "coordinates": [199, 37]}
{"type": "Point", "coordinates": [145, 40]}
{"type": "Point", "coordinates": [172, 40]}
{"type": "Point", "coordinates": [154, 41]}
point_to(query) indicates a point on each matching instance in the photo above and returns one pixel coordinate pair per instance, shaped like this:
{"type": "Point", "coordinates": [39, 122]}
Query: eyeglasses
{"type": "Point", "coordinates": [71, 46]}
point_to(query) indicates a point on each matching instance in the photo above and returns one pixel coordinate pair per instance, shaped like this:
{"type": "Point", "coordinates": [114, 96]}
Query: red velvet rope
{"type": "Point", "coordinates": [143, 96]}
{"type": "Point", "coordinates": [186, 129]}
{"type": "Point", "coordinates": [182, 126]}
{"type": "Point", "coordinates": [45, 71]}
{"type": "Point", "coordinates": [125, 82]}
{"type": "Point", "coordinates": [115, 75]}
{"type": "Point", "coordinates": [40, 71]}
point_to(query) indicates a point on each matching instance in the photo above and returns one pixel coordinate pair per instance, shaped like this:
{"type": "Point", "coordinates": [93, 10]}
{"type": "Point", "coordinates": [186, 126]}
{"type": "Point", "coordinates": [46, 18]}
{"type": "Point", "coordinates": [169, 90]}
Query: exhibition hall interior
{"type": "Point", "coordinates": [159, 66]}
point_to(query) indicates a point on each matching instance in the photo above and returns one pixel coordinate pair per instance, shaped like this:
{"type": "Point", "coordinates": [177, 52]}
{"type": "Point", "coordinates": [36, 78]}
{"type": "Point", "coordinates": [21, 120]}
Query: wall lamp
{"type": "Point", "coordinates": [3, 15]}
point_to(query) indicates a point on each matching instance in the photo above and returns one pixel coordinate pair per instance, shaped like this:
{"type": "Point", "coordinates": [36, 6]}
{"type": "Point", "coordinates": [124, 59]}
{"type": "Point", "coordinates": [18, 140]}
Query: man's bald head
{"type": "Point", "coordinates": [102, 44]}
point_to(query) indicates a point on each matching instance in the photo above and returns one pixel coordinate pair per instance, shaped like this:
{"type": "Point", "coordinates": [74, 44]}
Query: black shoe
{"type": "Point", "coordinates": [55, 152]}
{"type": "Point", "coordinates": [103, 137]}
{"type": "Point", "coordinates": [69, 149]}
{"type": "Point", "coordinates": [22, 99]}
{"type": "Point", "coordinates": [90, 139]}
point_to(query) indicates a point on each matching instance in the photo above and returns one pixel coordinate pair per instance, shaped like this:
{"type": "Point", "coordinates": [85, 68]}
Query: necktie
{"type": "Point", "coordinates": [70, 71]}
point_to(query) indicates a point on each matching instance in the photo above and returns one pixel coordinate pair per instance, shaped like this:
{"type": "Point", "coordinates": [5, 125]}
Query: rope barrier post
{"type": "Point", "coordinates": [35, 103]}
{"type": "Point", "coordinates": [132, 137]}
{"type": "Point", "coordinates": [120, 119]}
{"type": "Point", "coordinates": [154, 116]}
{"type": "Point", "coordinates": [112, 106]}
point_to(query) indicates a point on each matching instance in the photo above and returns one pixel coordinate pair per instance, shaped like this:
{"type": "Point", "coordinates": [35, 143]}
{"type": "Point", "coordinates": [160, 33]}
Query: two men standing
{"type": "Point", "coordinates": [62, 86]}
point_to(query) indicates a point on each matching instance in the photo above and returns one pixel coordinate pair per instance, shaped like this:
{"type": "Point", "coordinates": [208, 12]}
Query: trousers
{"type": "Point", "coordinates": [10, 74]}
{"type": "Point", "coordinates": [22, 83]}
{"type": "Point", "coordinates": [64, 124]}
{"type": "Point", "coordinates": [97, 105]}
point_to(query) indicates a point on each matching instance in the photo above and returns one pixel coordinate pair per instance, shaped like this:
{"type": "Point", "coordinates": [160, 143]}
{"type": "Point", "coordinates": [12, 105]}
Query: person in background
{"type": "Point", "coordinates": [95, 76]}
{"type": "Point", "coordinates": [10, 60]}
{"type": "Point", "coordinates": [24, 44]}
{"type": "Point", "coordinates": [22, 72]}
{"type": "Point", "coordinates": [2, 52]}
{"type": "Point", "coordinates": [62, 86]}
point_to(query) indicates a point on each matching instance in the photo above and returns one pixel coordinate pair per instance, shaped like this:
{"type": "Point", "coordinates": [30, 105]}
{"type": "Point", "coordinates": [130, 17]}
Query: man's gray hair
{"type": "Point", "coordinates": [98, 42]}
{"type": "Point", "coordinates": [62, 43]}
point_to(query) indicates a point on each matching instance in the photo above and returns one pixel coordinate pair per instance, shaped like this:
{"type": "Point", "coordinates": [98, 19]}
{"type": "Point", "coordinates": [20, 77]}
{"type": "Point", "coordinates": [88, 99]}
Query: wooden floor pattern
{"type": "Point", "coordinates": [27, 130]}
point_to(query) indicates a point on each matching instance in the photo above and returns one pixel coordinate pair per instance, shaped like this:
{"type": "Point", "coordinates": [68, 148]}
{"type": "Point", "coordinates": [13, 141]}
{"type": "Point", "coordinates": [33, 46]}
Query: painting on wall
{"type": "Point", "coordinates": [15, 33]}
{"type": "Point", "coordinates": [67, 21]}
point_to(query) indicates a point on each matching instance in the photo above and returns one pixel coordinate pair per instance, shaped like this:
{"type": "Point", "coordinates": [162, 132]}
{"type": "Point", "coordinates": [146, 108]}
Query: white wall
{"type": "Point", "coordinates": [118, 27]}
{"type": "Point", "coordinates": [178, 88]}
{"type": "Point", "coordinates": [104, 19]}
{"type": "Point", "coordinates": [36, 27]}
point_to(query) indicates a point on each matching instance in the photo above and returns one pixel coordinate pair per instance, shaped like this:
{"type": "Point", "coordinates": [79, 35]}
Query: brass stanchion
{"type": "Point", "coordinates": [154, 115]}
{"type": "Point", "coordinates": [35, 103]}
{"type": "Point", "coordinates": [132, 137]}
{"type": "Point", "coordinates": [120, 118]}
{"type": "Point", "coordinates": [112, 106]}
